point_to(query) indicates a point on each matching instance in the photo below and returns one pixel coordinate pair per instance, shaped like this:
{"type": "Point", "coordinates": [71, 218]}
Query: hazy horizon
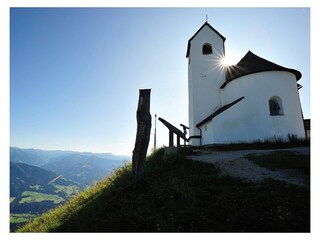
{"type": "Point", "coordinates": [68, 150]}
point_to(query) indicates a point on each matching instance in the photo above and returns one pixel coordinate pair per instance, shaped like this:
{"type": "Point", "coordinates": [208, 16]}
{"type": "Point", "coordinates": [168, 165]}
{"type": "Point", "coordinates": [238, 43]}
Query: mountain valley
{"type": "Point", "coordinates": [41, 180]}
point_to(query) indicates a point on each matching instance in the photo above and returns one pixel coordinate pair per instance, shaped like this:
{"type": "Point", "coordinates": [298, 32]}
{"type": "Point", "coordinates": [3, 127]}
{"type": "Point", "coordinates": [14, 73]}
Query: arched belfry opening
{"type": "Point", "coordinates": [206, 49]}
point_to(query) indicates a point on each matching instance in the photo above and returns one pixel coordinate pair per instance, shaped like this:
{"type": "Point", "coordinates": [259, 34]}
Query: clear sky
{"type": "Point", "coordinates": [75, 73]}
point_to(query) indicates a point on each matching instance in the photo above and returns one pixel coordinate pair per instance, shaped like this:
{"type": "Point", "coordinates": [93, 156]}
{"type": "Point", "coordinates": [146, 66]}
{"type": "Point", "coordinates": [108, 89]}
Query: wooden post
{"type": "Point", "coordinates": [170, 138]}
{"type": "Point", "coordinates": [142, 137]}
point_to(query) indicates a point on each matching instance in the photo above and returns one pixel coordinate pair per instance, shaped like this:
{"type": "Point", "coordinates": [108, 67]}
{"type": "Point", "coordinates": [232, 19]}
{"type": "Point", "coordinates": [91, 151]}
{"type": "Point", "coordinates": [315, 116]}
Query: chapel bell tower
{"type": "Point", "coordinates": [206, 74]}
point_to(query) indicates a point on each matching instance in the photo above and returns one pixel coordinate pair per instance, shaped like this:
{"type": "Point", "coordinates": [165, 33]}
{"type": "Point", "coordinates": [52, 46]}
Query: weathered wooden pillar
{"type": "Point", "coordinates": [142, 136]}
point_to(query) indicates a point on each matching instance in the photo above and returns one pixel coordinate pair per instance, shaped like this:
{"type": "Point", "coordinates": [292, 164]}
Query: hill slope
{"type": "Point", "coordinates": [24, 177]}
{"type": "Point", "coordinates": [31, 193]}
{"type": "Point", "coordinates": [181, 195]}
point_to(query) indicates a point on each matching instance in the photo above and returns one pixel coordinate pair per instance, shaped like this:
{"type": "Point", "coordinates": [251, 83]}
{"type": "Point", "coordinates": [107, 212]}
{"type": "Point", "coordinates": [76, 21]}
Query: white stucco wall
{"type": "Point", "coordinates": [250, 118]}
{"type": "Point", "coordinates": [205, 76]}
{"type": "Point", "coordinates": [207, 133]}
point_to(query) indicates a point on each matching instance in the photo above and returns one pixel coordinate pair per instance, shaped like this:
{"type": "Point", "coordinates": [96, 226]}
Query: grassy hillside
{"type": "Point", "coordinates": [180, 195]}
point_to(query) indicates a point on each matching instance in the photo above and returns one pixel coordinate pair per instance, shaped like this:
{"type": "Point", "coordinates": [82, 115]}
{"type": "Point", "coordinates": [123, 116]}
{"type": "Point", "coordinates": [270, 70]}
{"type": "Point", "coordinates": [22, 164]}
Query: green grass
{"type": "Point", "coordinates": [28, 197]}
{"type": "Point", "coordinates": [283, 160]}
{"type": "Point", "coordinates": [20, 217]}
{"type": "Point", "coordinates": [69, 190]}
{"type": "Point", "coordinates": [180, 195]}
{"type": "Point", "coordinates": [36, 187]}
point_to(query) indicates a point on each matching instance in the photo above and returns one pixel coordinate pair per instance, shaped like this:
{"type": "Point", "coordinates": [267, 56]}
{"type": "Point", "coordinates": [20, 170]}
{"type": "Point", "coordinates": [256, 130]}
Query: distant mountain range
{"type": "Point", "coordinates": [81, 167]}
{"type": "Point", "coordinates": [39, 157]}
{"type": "Point", "coordinates": [41, 180]}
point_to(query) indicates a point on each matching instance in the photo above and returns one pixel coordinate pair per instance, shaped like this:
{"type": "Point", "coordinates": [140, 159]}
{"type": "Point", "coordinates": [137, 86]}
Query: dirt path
{"type": "Point", "coordinates": [235, 164]}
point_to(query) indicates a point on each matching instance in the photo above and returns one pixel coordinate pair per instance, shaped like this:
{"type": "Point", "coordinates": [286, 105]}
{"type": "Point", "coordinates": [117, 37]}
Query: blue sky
{"type": "Point", "coordinates": [75, 73]}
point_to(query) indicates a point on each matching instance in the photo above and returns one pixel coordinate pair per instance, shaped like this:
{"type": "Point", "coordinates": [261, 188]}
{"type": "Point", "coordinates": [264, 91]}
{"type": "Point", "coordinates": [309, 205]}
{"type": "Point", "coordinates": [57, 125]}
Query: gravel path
{"type": "Point", "coordinates": [235, 164]}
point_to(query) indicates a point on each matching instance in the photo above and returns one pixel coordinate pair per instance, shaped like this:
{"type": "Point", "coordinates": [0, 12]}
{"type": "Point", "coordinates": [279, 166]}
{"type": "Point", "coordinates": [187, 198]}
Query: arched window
{"type": "Point", "coordinates": [275, 106]}
{"type": "Point", "coordinates": [206, 49]}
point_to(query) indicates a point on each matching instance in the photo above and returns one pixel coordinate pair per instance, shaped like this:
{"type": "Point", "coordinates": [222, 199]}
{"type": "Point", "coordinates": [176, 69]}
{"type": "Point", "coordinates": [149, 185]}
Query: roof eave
{"type": "Point", "coordinates": [298, 75]}
{"type": "Point", "coordinates": [243, 68]}
{"type": "Point", "coordinates": [219, 111]}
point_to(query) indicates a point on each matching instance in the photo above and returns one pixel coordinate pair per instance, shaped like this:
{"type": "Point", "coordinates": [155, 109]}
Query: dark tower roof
{"type": "Point", "coordinates": [205, 24]}
{"type": "Point", "coordinates": [252, 63]}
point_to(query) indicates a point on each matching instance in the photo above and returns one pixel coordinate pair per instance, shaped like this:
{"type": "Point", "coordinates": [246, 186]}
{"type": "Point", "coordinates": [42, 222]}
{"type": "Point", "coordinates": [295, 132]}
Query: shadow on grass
{"type": "Point", "coordinates": [282, 160]}
{"type": "Point", "coordinates": [294, 164]}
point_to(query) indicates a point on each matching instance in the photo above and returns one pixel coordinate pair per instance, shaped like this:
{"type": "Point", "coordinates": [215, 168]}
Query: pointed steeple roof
{"type": "Point", "coordinates": [252, 63]}
{"type": "Point", "coordinates": [205, 24]}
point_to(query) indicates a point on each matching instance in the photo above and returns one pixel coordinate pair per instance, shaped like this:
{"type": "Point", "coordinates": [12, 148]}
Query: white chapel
{"type": "Point", "coordinates": [253, 100]}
